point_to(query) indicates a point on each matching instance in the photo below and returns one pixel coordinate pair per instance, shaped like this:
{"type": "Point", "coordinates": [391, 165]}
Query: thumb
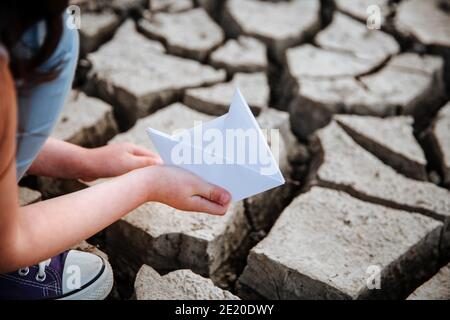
{"type": "Point", "coordinates": [201, 204]}
{"type": "Point", "coordinates": [213, 193]}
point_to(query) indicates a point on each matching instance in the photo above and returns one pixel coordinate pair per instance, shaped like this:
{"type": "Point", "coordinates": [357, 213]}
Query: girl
{"type": "Point", "coordinates": [38, 54]}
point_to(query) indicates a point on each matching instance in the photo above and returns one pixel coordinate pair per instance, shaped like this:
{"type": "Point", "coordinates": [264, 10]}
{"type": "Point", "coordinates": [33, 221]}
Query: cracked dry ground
{"type": "Point", "coordinates": [365, 144]}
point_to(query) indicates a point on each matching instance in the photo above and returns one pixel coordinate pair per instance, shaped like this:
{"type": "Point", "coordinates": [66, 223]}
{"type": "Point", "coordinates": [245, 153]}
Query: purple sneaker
{"type": "Point", "coordinates": [72, 275]}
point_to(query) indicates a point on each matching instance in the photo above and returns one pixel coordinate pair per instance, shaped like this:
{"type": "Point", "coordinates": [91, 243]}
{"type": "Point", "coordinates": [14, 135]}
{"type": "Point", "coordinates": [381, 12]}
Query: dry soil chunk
{"type": "Point", "coordinates": [170, 5]}
{"type": "Point", "coordinates": [279, 24]}
{"type": "Point", "coordinates": [417, 87]}
{"type": "Point", "coordinates": [177, 285]}
{"type": "Point", "coordinates": [96, 28]}
{"type": "Point", "coordinates": [192, 34]}
{"type": "Point", "coordinates": [358, 8]}
{"type": "Point", "coordinates": [167, 238]}
{"type": "Point", "coordinates": [88, 5]}
{"type": "Point", "coordinates": [307, 61]}
{"type": "Point", "coordinates": [85, 121]}
{"type": "Point", "coordinates": [325, 241]}
{"type": "Point", "coordinates": [426, 21]}
{"type": "Point", "coordinates": [439, 141]}
{"type": "Point", "coordinates": [125, 6]}
{"type": "Point", "coordinates": [390, 139]}
{"type": "Point", "coordinates": [120, 6]}
{"type": "Point", "coordinates": [349, 35]}
{"type": "Point", "coordinates": [216, 100]}
{"type": "Point", "coordinates": [346, 165]}
{"type": "Point", "coordinates": [143, 79]}
{"type": "Point", "coordinates": [244, 54]}
{"type": "Point", "coordinates": [417, 90]}
{"type": "Point", "coordinates": [28, 196]}
{"type": "Point", "coordinates": [318, 99]}
{"type": "Point", "coordinates": [437, 288]}
{"type": "Point", "coordinates": [174, 117]}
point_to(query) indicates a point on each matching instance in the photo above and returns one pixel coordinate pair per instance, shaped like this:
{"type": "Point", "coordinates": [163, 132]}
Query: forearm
{"type": "Point", "coordinates": [46, 228]}
{"type": "Point", "coordinates": [60, 159]}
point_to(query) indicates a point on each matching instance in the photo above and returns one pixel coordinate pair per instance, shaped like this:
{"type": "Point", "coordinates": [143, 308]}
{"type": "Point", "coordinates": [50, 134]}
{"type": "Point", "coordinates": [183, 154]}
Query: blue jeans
{"type": "Point", "coordinates": [39, 107]}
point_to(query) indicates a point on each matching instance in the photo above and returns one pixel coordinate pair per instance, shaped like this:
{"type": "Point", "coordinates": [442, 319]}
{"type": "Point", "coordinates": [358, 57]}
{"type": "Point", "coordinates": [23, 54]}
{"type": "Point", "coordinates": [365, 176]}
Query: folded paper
{"type": "Point", "coordinates": [229, 151]}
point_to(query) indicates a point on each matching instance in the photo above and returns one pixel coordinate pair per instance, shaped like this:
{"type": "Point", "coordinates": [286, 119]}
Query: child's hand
{"type": "Point", "coordinates": [183, 190]}
{"type": "Point", "coordinates": [117, 159]}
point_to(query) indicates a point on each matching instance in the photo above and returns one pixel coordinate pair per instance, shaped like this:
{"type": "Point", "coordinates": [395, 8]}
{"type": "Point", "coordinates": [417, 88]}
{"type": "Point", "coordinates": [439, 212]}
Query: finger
{"type": "Point", "coordinates": [139, 162]}
{"type": "Point", "coordinates": [201, 204]}
{"type": "Point", "coordinates": [152, 160]}
{"type": "Point", "coordinates": [158, 160]}
{"type": "Point", "coordinates": [213, 193]}
{"type": "Point", "coordinates": [142, 152]}
{"type": "Point", "coordinates": [139, 151]}
{"type": "Point", "coordinates": [88, 179]}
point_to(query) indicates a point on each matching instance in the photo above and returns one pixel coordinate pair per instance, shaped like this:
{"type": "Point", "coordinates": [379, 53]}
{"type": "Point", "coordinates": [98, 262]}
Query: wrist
{"type": "Point", "coordinates": [144, 181]}
{"type": "Point", "coordinates": [88, 167]}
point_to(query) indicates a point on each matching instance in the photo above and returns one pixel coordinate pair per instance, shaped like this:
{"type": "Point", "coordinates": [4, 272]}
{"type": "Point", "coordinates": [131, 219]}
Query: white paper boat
{"type": "Point", "coordinates": [242, 177]}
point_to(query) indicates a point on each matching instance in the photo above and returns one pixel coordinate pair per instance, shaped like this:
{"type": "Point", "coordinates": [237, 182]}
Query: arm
{"type": "Point", "coordinates": [33, 233]}
{"type": "Point", "coordinates": [60, 159]}
{"type": "Point", "coordinates": [36, 232]}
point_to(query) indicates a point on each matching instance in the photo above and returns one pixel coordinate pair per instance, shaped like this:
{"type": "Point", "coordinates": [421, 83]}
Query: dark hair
{"type": "Point", "coordinates": [16, 16]}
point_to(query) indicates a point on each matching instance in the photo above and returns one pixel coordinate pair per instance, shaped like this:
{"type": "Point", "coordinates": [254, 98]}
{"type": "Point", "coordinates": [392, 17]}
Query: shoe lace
{"type": "Point", "coordinates": [41, 268]}
{"type": "Point", "coordinates": [41, 275]}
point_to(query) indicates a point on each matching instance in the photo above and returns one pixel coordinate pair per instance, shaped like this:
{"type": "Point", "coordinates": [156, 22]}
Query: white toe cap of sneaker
{"type": "Point", "coordinates": [80, 269]}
